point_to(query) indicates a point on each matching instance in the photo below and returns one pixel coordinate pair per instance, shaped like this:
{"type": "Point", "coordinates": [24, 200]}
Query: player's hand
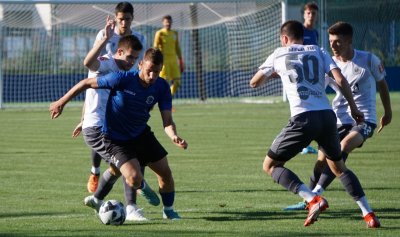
{"type": "Point", "coordinates": [77, 130]}
{"type": "Point", "coordinates": [357, 115]}
{"type": "Point", "coordinates": [109, 28]}
{"type": "Point", "coordinates": [181, 65]}
{"type": "Point", "coordinates": [179, 142]}
{"type": "Point", "coordinates": [55, 109]}
{"type": "Point", "coordinates": [385, 120]}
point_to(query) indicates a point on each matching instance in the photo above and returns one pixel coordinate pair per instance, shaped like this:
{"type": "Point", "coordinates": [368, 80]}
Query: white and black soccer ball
{"type": "Point", "coordinates": [112, 212]}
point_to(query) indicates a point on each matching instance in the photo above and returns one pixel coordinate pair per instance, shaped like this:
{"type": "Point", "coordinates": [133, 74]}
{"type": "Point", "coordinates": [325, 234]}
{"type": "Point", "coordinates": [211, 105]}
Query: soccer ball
{"type": "Point", "coordinates": [112, 212]}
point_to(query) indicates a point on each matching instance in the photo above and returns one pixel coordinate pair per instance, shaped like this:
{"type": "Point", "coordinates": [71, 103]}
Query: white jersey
{"type": "Point", "coordinates": [96, 99]}
{"type": "Point", "coordinates": [302, 70]}
{"type": "Point", "coordinates": [112, 44]}
{"type": "Point", "coordinates": [362, 73]}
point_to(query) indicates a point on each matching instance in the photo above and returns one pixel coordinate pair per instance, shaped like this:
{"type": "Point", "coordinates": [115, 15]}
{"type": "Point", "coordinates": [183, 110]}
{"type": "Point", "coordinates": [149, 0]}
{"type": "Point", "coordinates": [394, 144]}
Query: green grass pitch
{"type": "Point", "coordinates": [221, 189]}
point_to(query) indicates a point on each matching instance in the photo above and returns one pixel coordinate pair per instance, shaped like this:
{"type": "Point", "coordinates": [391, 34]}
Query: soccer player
{"type": "Point", "coordinates": [167, 41]}
{"type": "Point", "coordinates": [124, 14]}
{"type": "Point", "coordinates": [363, 71]}
{"type": "Point", "coordinates": [126, 56]}
{"type": "Point", "coordinates": [302, 70]}
{"type": "Point", "coordinates": [127, 137]}
{"type": "Point", "coordinates": [310, 14]}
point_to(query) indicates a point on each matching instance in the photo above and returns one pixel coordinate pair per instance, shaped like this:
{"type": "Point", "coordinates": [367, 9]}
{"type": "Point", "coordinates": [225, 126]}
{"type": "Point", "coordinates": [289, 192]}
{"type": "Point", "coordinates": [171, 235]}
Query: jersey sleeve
{"type": "Point", "coordinates": [110, 81]}
{"type": "Point", "coordinates": [329, 64]}
{"type": "Point", "coordinates": [99, 36]}
{"type": "Point", "coordinates": [377, 68]}
{"type": "Point", "coordinates": [268, 66]}
{"type": "Point", "coordinates": [165, 99]}
{"type": "Point", "coordinates": [156, 40]}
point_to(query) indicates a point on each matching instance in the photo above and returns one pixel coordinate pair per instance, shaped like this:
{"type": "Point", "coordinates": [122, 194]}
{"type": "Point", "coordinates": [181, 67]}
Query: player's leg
{"type": "Point", "coordinates": [106, 183]}
{"type": "Point", "coordinates": [296, 135]}
{"type": "Point", "coordinates": [176, 84]}
{"type": "Point", "coordinates": [319, 166]}
{"type": "Point", "coordinates": [351, 138]}
{"type": "Point", "coordinates": [176, 75]}
{"type": "Point", "coordinates": [167, 187]}
{"type": "Point", "coordinates": [93, 180]}
{"type": "Point", "coordinates": [93, 138]}
{"type": "Point", "coordinates": [349, 180]}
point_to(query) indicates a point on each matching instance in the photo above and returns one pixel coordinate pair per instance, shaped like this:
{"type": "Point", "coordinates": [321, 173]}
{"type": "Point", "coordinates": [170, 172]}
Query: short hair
{"type": "Point", "coordinates": [124, 7]}
{"type": "Point", "coordinates": [167, 17]}
{"type": "Point", "coordinates": [154, 55]}
{"type": "Point", "coordinates": [341, 28]}
{"type": "Point", "coordinates": [310, 6]}
{"type": "Point", "coordinates": [130, 41]}
{"type": "Point", "coordinates": [293, 29]}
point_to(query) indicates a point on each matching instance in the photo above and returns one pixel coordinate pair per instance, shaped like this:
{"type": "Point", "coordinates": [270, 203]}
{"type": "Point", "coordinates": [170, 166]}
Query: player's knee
{"type": "Point", "coordinates": [134, 181]}
{"type": "Point", "coordinates": [267, 167]}
{"type": "Point", "coordinates": [114, 171]}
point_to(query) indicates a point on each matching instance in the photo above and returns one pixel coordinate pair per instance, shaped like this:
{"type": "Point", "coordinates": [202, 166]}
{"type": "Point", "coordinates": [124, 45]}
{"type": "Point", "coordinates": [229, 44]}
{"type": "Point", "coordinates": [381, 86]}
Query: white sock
{"type": "Point", "coordinates": [364, 206]}
{"type": "Point", "coordinates": [168, 208]}
{"type": "Point", "coordinates": [318, 190]}
{"type": "Point", "coordinates": [306, 193]}
{"type": "Point", "coordinates": [95, 170]}
{"type": "Point", "coordinates": [131, 207]}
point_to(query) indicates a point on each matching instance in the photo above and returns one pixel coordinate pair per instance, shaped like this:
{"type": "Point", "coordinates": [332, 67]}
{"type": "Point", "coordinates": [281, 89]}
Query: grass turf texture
{"type": "Point", "coordinates": [221, 189]}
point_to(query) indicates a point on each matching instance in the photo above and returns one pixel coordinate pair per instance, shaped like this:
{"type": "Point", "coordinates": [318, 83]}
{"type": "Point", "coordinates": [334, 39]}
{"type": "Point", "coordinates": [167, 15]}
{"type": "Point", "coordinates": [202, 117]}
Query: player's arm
{"type": "Point", "coordinates": [179, 54]}
{"type": "Point", "coordinates": [385, 98]}
{"type": "Point", "coordinates": [78, 128]}
{"type": "Point", "coordinates": [57, 106]}
{"type": "Point", "coordinates": [170, 129]}
{"type": "Point", "coordinates": [156, 42]}
{"type": "Point", "coordinates": [344, 87]}
{"type": "Point", "coordinates": [90, 60]}
{"type": "Point", "coordinates": [259, 78]}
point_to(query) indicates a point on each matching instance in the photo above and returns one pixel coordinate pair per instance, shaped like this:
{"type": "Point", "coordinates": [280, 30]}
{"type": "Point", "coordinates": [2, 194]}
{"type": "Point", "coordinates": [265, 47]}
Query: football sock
{"type": "Point", "coordinates": [306, 193]}
{"type": "Point", "coordinates": [95, 170]}
{"type": "Point", "coordinates": [106, 183]}
{"type": "Point", "coordinates": [130, 193]}
{"type": "Point", "coordinates": [287, 179]}
{"type": "Point", "coordinates": [96, 159]}
{"type": "Point", "coordinates": [168, 199]}
{"type": "Point", "coordinates": [318, 189]}
{"type": "Point", "coordinates": [352, 185]}
{"type": "Point", "coordinates": [327, 175]}
{"type": "Point", "coordinates": [364, 206]}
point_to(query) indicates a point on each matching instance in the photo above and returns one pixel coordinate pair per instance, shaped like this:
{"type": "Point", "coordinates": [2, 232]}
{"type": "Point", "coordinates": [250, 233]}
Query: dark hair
{"type": "Point", "coordinates": [153, 55]}
{"type": "Point", "coordinates": [341, 28]}
{"type": "Point", "coordinates": [124, 7]}
{"type": "Point", "coordinates": [311, 6]}
{"type": "Point", "coordinates": [130, 41]}
{"type": "Point", "coordinates": [167, 17]}
{"type": "Point", "coordinates": [293, 29]}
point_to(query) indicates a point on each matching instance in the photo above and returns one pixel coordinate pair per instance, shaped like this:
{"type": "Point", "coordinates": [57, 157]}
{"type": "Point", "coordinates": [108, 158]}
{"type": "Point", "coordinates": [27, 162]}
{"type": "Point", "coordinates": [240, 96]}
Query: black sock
{"type": "Point", "coordinates": [106, 183]}
{"type": "Point", "coordinates": [287, 179]}
{"type": "Point", "coordinates": [352, 185]}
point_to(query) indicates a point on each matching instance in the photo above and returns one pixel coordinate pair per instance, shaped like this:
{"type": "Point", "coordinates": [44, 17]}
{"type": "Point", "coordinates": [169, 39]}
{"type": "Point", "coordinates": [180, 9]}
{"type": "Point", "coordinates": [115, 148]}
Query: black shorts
{"type": "Point", "coordinates": [301, 130]}
{"type": "Point", "coordinates": [145, 148]}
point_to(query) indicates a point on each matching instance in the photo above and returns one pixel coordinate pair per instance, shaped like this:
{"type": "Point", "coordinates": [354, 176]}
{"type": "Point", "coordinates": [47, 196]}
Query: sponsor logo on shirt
{"type": "Point", "coordinates": [130, 92]}
{"type": "Point", "coordinates": [304, 93]}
